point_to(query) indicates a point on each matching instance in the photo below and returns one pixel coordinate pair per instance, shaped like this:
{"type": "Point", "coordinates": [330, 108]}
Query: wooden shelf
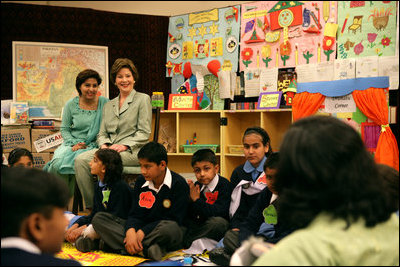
{"type": "Point", "coordinates": [180, 126]}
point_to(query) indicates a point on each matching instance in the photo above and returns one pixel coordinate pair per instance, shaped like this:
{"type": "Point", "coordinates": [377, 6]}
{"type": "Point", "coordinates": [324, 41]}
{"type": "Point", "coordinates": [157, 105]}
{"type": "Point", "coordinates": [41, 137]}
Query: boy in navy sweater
{"type": "Point", "coordinates": [208, 212]}
{"type": "Point", "coordinates": [32, 218]}
{"type": "Point", "coordinates": [160, 200]}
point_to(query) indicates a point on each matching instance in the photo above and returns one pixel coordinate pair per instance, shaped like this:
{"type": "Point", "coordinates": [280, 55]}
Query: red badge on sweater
{"type": "Point", "coordinates": [211, 197]}
{"type": "Point", "coordinates": [146, 200]}
{"type": "Point", "coordinates": [262, 179]}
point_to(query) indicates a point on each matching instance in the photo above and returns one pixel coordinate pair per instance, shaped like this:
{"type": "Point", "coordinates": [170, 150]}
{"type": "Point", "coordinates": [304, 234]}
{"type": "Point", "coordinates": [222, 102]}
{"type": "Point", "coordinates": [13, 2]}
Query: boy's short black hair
{"type": "Point", "coordinates": [272, 161]}
{"type": "Point", "coordinates": [153, 152]}
{"type": "Point", "coordinates": [205, 154]}
{"type": "Point", "coordinates": [25, 191]}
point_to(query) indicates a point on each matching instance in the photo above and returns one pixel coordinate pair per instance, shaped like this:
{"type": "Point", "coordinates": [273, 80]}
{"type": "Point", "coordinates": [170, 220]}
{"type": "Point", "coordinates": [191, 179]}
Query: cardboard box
{"type": "Point", "coordinates": [14, 136]}
{"type": "Point", "coordinates": [39, 134]}
{"type": "Point", "coordinates": [40, 159]}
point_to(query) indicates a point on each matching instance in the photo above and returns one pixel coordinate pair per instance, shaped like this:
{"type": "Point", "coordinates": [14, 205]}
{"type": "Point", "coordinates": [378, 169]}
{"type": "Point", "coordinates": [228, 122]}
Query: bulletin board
{"type": "Point", "coordinates": [285, 34]}
{"type": "Point", "coordinates": [202, 37]}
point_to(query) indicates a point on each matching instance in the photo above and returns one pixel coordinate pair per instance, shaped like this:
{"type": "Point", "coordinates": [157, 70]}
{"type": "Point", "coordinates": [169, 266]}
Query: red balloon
{"type": "Point", "coordinates": [187, 70]}
{"type": "Point", "coordinates": [214, 66]}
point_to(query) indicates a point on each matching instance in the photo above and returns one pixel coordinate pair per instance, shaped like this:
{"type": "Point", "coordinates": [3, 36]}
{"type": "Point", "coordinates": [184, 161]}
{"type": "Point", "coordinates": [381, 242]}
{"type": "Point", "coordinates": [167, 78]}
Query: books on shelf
{"type": "Point", "coordinates": [46, 124]}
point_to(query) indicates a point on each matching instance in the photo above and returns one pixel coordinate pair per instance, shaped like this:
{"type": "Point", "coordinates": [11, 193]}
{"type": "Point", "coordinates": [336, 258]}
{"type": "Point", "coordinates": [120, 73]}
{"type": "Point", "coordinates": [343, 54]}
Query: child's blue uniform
{"type": "Point", "coordinates": [246, 200]}
{"type": "Point", "coordinates": [118, 204]}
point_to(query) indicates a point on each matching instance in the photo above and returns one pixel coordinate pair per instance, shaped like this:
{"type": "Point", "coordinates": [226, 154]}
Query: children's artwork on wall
{"type": "Point", "coordinates": [202, 37]}
{"type": "Point", "coordinates": [283, 34]}
{"type": "Point", "coordinates": [190, 87]}
{"type": "Point", "coordinates": [366, 30]}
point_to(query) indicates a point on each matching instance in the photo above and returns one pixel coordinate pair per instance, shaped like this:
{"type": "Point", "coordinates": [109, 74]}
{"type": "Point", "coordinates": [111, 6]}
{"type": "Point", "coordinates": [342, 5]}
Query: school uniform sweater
{"type": "Point", "coordinates": [150, 207]}
{"type": "Point", "coordinates": [118, 204]}
{"type": "Point", "coordinates": [212, 204]}
{"type": "Point", "coordinates": [255, 218]}
{"type": "Point", "coordinates": [246, 201]}
{"type": "Point", "coordinates": [17, 251]}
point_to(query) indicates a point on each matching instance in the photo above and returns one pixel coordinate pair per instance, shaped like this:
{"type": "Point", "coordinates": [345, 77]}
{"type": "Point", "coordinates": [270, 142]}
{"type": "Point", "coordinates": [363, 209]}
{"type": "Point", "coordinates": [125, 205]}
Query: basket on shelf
{"type": "Point", "coordinates": [194, 148]}
{"type": "Point", "coordinates": [235, 149]}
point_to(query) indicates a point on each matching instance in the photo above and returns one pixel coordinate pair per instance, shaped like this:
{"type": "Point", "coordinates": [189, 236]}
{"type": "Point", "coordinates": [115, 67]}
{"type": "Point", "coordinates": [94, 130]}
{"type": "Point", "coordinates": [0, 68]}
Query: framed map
{"type": "Point", "coordinates": [44, 74]}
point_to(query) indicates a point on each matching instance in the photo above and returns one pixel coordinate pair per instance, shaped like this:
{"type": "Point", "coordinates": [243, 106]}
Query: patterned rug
{"type": "Point", "coordinates": [100, 258]}
{"type": "Point", "coordinates": [97, 258]}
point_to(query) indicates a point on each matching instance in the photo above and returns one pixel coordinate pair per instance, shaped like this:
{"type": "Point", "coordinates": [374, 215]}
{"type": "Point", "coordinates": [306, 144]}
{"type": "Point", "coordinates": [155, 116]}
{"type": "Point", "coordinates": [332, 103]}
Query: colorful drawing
{"type": "Point", "coordinates": [363, 28]}
{"type": "Point", "coordinates": [206, 28]}
{"type": "Point", "coordinates": [289, 23]}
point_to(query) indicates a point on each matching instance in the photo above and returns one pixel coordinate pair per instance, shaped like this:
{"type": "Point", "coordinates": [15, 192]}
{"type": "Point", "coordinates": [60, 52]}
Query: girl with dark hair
{"type": "Point", "coordinates": [112, 195]}
{"type": "Point", "coordinates": [79, 128]}
{"type": "Point", "coordinates": [248, 180]}
{"type": "Point", "coordinates": [20, 157]}
{"type": "Point", "coordinates": [329, 188]}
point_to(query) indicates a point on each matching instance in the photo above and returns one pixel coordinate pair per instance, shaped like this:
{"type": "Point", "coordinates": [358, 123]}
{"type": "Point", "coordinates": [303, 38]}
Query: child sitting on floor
{"type": "Point", "coordinates": [208, 212]}
{"type": "Point", "coordinates": [112, 196]}
{"type": "Point", "coordinates": [160, 200]}
{"type": "Point", "coordinates": [247, 184]}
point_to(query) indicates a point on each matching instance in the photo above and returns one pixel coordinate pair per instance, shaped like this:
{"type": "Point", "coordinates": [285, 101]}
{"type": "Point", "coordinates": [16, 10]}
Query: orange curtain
{"type": "Point", "coordinates": [372, 102]}
{"type": "Point", "coordinates": [306, 104]}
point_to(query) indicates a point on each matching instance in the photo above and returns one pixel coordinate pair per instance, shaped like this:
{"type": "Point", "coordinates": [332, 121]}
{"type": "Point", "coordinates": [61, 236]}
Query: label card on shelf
{"type": "Point", "coordinates": [269, 100]}
{"type": "Point", "coordinates": [182, 102]}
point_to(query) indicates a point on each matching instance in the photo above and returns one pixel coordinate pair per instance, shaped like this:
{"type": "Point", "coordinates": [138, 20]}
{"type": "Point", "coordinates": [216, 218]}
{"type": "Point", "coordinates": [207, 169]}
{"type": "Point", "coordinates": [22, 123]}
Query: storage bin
{"type": "Point", "coordinates": [235, 149]}
{"type": "Point", "coordinates": [194, 148]}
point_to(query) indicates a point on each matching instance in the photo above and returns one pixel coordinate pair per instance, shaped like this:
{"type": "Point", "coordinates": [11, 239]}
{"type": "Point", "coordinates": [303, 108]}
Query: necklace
{"type": "Point", "coordinates": [86, 106]}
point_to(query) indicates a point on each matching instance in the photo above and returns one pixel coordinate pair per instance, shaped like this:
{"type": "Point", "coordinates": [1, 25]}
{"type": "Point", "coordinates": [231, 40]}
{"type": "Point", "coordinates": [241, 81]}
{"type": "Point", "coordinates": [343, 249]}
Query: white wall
{"type": "Point", "coordinates": [158, 8]}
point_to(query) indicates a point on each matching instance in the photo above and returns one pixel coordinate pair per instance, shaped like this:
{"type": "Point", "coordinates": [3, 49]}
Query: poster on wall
{"type": "Point", "coordinates": [366, 28]}
{"type": "Point", "coordinates": [283, 34]}
{"type": "Point", "coordinates": [203, 37]}
{"type": "Point", "coordinates": [44, 74]}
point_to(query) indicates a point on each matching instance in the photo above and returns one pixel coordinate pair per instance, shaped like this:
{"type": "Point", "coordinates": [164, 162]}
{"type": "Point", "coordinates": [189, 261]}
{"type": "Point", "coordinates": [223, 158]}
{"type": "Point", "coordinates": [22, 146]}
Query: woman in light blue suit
{"type": "Point", "coordinates": [80, 125]}
{"type": "Point", "coordinates": [125, 127]}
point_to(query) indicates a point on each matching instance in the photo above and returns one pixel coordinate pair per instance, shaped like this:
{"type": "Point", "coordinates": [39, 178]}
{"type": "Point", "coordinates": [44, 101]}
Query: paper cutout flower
{"type": "Point", "coordinates": [359, 48]}
{"type": "Point", "coordinates": [146, 199]}
{"type": "Point", "coordinates": [262, 179]}
{"type": "Point", "coordinates": [266, 53]}
{"type": "Point", "coordinates": [247, 53]}
{"type": "Point", "coordinates": [328, 42]}
{"type": "Point", "coordinates": [385, 41]}
{"type": "Point", "coordinates": [211, 197]}
{"type": "Point", "coordinates": [285, 49]}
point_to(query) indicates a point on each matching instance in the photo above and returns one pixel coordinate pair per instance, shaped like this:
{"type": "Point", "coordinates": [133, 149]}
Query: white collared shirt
{"type": "Point", "coordinates": [211, 186]}
{"type": "Point", "coordinates": [20, 243]}
{"type": "Point", "coordinates": [167, 181]}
